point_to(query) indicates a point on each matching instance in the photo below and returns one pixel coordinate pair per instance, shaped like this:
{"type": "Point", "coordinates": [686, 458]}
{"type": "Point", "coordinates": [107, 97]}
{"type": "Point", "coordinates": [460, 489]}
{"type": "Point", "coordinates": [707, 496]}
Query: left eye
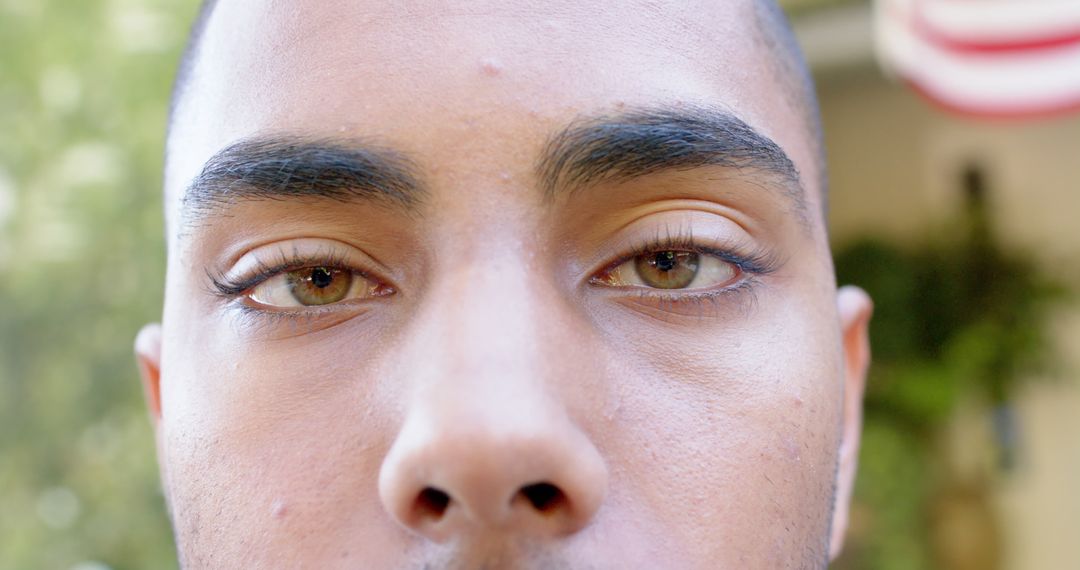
{"type": "Point", "coordinates": [670, 269]}
{"type": "Point", "coordinates": [313, 286]}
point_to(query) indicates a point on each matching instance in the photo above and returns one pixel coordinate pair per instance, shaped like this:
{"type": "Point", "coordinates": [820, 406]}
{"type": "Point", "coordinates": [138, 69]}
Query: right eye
{"type": "Point", "coordinates": [313, 286]}
{"type": "Point", "coordinates": [672, 270]}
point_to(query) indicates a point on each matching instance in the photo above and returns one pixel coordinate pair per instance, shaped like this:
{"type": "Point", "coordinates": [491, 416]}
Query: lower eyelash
{"type": "Point", "coordinates": [298, 322]}
{"type": "Point", "coordinates": [745, 289]}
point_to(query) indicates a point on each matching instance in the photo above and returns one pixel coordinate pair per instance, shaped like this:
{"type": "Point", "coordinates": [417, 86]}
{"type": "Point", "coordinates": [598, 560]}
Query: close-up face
{"type": "Point", "coordinates": [500, 285]}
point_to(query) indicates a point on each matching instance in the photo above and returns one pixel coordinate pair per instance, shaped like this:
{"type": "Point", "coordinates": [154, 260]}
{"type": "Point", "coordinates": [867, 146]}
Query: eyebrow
{"type": "Point", "coordinates": [639, 142]}
{"type": "Point", "coordinates": [291, 167]}
{"type": "Point", "coordinates": [590, 150]}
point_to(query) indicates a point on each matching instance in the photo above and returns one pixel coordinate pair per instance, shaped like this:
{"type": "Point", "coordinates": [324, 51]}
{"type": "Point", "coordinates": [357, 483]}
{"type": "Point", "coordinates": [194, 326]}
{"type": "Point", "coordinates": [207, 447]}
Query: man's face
{"type": "Point", "coordinates": [524, 286]}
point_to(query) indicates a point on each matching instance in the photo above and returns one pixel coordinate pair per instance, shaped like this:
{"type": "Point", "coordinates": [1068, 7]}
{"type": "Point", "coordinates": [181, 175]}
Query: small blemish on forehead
{"type": "Point", "coordinates": [491, 67]}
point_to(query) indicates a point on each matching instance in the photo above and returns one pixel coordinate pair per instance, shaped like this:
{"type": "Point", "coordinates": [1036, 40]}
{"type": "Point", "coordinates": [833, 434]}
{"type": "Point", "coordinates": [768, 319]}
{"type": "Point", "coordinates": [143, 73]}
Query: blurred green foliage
{"type": "Point", "coordinates": [955, 317]}
{"type": "Point", "coordinates": [83, 99]}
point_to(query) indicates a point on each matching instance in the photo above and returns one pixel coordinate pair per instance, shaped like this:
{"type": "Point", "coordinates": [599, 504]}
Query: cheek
{"type": "Point", "coordinates": [277, 443]}
{"type": "Point", "coordinates": [732, 436]}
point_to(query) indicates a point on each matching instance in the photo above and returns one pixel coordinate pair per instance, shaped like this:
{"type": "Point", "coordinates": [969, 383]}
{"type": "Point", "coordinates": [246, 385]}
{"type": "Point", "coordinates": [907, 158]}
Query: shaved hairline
{"type": "Point", "coordinates": [189, 58]}
{"type": "Point", "coordinates": [773, 31]}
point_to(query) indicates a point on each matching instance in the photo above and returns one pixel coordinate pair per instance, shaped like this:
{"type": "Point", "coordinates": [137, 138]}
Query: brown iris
{"type": "Point", "coordinates": [319, 285]}
{"type": "Point", "coordinates": [667, 269]}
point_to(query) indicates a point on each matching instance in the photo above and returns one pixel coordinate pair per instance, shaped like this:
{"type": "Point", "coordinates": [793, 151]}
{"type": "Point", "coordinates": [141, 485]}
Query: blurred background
{"type": "Point", "coordinates": [962, 224]}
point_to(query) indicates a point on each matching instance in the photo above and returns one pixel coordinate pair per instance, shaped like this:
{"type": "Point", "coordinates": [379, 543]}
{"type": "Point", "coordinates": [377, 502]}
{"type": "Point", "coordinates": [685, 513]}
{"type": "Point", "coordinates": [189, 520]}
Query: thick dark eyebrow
{"type": "Point", "coordinates": [643, 141]}
{"type": "Point", "coordinates": [288, 167]}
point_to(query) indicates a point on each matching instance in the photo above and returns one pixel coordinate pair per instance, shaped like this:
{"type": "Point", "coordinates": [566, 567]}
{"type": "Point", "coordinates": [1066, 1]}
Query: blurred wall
{"type": "Point", "coordinates": [896, 165]}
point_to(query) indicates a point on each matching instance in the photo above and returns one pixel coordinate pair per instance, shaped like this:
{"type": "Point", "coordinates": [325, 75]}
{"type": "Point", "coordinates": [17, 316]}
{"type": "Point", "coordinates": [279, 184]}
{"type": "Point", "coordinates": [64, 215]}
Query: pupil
{"type": "Point", "coordinates": [321, 277]}
{"type": "Point", "coordinates": [666, 260]}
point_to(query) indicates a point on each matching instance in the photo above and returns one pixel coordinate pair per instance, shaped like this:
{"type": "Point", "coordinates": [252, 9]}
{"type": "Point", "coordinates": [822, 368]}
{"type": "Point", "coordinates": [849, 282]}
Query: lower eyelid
{"type": "Point", "coordinates": [284, 323]}
{"type": "Point", "coordinates": [697, 293]}
{"type": "Point", "coordinates": [735, 300]}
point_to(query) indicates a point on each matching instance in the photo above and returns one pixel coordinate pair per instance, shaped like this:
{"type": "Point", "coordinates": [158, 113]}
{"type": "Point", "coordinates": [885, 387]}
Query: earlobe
{"type": "Point", "coordinates": [148, 358]}
{"type": "Point", "coordinates": [854, 308]}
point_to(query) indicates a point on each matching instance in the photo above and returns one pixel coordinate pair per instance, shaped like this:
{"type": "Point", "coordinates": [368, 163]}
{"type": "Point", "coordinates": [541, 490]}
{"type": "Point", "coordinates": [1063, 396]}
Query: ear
{"type": "Point", "coordinates": [148, 358]}
{"type": "Point", "coordinates": [854, 308]}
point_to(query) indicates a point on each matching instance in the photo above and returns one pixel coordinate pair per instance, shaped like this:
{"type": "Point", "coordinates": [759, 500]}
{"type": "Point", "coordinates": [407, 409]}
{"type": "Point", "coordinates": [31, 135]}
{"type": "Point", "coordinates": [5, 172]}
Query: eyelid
{"type": "Point", "coordinates": [260, 264]}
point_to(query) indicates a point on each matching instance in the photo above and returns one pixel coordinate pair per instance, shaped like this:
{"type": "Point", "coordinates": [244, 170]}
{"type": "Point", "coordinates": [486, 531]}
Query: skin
{"type": "Point", "coordinates": [678, 432]}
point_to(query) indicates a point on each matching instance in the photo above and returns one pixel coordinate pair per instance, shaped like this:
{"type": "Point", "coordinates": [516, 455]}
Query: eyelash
{"type": "Point", "coordinates": [751, 266]}
{"type": "Point", "coordinates": [234, 287]}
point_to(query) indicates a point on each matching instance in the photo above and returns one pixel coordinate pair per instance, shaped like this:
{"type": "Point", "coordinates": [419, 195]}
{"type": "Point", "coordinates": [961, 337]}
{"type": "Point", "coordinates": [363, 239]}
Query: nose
{"type": "Point", "coordinates": [497, 475]}
{"type": "Point", "coordinates": [487, 445]}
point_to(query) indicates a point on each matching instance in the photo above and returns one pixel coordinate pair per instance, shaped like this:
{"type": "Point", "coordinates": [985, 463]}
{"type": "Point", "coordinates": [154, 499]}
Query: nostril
{"type": "Point", "coordinates": [544, 497]}
{"type": "Point", "coordinates": [432, 503]}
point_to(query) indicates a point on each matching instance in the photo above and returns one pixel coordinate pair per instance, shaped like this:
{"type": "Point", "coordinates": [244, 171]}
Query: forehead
{"type": "Point", "coordinates": [477, 83]}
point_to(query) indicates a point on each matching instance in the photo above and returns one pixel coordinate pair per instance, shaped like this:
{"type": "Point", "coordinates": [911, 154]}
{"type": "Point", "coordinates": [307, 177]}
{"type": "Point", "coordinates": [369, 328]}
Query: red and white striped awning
{"type": "Point", "coordinates": [998, 58]}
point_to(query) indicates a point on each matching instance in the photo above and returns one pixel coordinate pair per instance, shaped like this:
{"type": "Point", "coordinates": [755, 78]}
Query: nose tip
{"type": "Point", "coordinates": [450, 486]}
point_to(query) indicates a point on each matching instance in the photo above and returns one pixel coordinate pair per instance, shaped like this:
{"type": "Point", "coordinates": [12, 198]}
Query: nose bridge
{"type": "Point", "coordinates": [486, 442]}
{"type": "Point", "coordinates": [486, 353]}
{"type": "Point", "coordinates": [487, 314]}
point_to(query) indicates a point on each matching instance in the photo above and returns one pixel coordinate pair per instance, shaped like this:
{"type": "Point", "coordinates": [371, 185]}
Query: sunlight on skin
{"type": "Point", "coordinates": [652, 368]}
